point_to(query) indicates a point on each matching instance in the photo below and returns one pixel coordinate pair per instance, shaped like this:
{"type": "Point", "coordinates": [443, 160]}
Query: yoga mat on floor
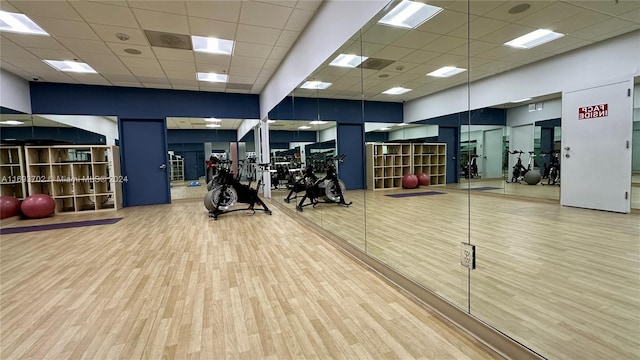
{"type": "Point", "coordinates": [66, 225]}
{"type": "Point", "coordinates": [422, 193]}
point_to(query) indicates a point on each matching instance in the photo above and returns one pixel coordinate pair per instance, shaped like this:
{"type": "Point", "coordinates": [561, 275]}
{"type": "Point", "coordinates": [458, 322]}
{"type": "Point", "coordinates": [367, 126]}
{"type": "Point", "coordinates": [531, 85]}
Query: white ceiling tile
{"type": "Point", "coordinates": [107, 14]}
{"type": "Point", "coordinates": [271, 64]}
{"type": "Point", "coordinates": [153, 79]}
{"type": "Point", "coordinates": [108, 33]}
{"type": "Point", "coordinates": [186, 87]}
{"type": "Point", "coordinates": [188, 66]}
{"type": "Point", "coordinates": [212, 68]}
{"type": "Point", "coordinates": [85, 46]}
{"type": "Point", "coordinates": [546, 17]}
{"type": "Point", "coordinates": [117, 77]}
{"type": "Point", "coordinates": [176, 75]}
{"type": "Point", "coordinates": [257, 34]}
{"type": "Point", "coordinates": [311, 5]}
{"type": "Point", "coordinates": [621, 7]}
{"type": "Point", "coordinates": [173, 54]}
{"type": "Point", "coordinates": [104, 63]}
{"type": "Point", "coordinates": [415, 39]}
{"type": "Point", "coordinates": [147, 72]}
{"type": "Point", "coordinates": [127, 83]}
{"type": "Point", "coordinates": [119, 49]}
{"type": "Point", "coordinates": [152, 85]}
{"type": "Point", "coordinates": [498, 52]}
{"type": "Point", "coordinates": [217, 10]}
{"type": "Point", "coordinates": [67, 28]}
{"type": "Point", "coordinates": [89, 79]}
{"type": "Point", "coordinates": [215, 87]}
{"type": "Point", "coordinates": [240, 71]}
{"type": "Point", "coordinates": [137, 63]}
{"type": "Point", "coordinates": [604, 27]}
{"type": "Point", "coordinates": [6, 6]}
{"type": "Point", "coordinates": [476, 47]}
{"type": "Point", "coordinates": [393, 53]}
{"type": "Point", "coordinates": [50, 9]}
{"type": "Point", "coordinates": [208, 59]}
{"type": "Point", "coordinates": [380, 34]}
{"type": "Point", "coordinates": [160, 21]}
{"type": "Point", "coordinates": [444, 22]}
{"type": "Point", "coordinates": [287, 3]}
{"type": "Point", "coordinates": [278, 52]}
{"type": "Point", "coordinates": [478, 28]}
{"type": "Point", "coordinates": [253, 50]}
{"type": "Point", "coordinates": [171, 7]}
{"type": "Point", "coordinates": [244, 61]}
{"type": "Point", "coordinates": [40, 42]}
{"type": "Point", "coordinates": [299, 20]}
{"type": "Point", "coordinates": [262, 14]}
{"type": "Point", "coordinates": [184, 82]}
{"type": "Point", "coordinates": [616, 32]}
{"type": "Point", "coordinates": [50, 54]}
{"type": "Point", "coordinates": [287, 38]}
{"type": "Point", "coordinates": [239, 79]}
{"type": "Point", "coordinates": [502, 12]}
{"type": "Point", "coordinates": [9, 49]}
{"type": "Point", "coordinates": [212, 28]}
{"type": "Point", "coordinates": [507, 33]}
{"type": "Point", "coordinates": [445, 44]}
{"type": "Point", "coordinates": [578, 21]}
{"type": "Point", "coordinates": [265, 74]}
{"type": "Point", "coordinates": [237, 91]}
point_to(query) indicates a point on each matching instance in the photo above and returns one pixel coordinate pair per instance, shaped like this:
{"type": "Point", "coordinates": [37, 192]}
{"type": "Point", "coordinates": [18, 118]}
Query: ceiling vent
{"type": "Point", "coordinates": [168, 40]}
{"type": "Point", "coordinates": [375, 64]}
{"type": "Point", "coordinates": [236, 86]}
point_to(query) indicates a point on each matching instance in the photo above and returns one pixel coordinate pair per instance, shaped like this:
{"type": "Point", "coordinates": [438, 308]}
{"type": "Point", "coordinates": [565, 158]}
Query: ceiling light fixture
{"type": "Point", "coordinates": [12, 122]}
{"type": "Point", "coordinates": [396, 91]}
{"type": "Point", "coordinates": [348, 60]}
{"type": "Point", "coordinates": [384, 128]}
{"type": "Point", "coordinates": [212, 45]}
{"type": "Point", "coordinates": [71, 66]}
{"type": "Point", "coordinates": [213, 77]}
{"type": "Point", "coordinates": [316, 85]}
{"type": "Point", "coordinates": [304, 127]}
{"type": "Point", "coordinates": [19, 23]}
{"type": "Point", "coordinates": [520, 100]}
{"type": "Point", "coordinates": [534, 39]}
{"type": "Point", "coordinates": [317, 122]}
{"type": "Point", "coordinates": [446, 71]}
{"type": "Point", "coordinates": [213, 125]}
{"type": "Point", "coordinates": [409, 14]}
{"type": "Point", "coordinates": [212, 120]}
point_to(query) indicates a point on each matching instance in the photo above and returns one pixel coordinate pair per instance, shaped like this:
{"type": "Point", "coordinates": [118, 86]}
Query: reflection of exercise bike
{"type": "Point", "coordinates": [519, 171]}
{"type": "Point", "coordinates": [470, 170]}
{"type": "Point", "coordinates": [552, 171]}
{"type": "Point", "coordinates": [297, 184]}
{"type": "Point", "coordinates": [228, 190]}
{"type": "Point", "coordinates": [330, 187]}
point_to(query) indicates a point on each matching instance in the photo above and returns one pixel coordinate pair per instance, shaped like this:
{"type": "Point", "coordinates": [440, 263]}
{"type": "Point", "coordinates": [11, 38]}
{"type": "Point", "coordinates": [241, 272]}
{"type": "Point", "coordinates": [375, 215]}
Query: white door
{"type": "Point", "coordinates": [596, 147]}
{"type": "Point", "coordinates": [492, 154]}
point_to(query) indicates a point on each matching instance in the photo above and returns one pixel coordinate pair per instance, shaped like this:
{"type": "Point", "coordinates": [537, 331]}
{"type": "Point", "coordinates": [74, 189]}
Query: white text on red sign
{"type": "Point", "coordinates": [594, 111]}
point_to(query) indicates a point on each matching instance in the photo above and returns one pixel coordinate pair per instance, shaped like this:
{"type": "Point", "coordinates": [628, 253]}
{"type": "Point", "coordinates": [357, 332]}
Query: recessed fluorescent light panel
{"type": "Point", "coordinates": [304, 127]}
{"type": "Point", "coordinates": [315, 85]}
{"type": "Point", "coordinates": [213, 125]}
{"type": "Point", "coordinates": [212, 77]}
{"type": "Point", "coordinates": [19, 23]}
{"type": "Point", "coordinates": [409, 14]}
{"type": "Point", "coordinates": [520, 100]}
{"type": "Point", "coordinates": [71, 66]}
{"type": "Point", "coordinates": [446, 71]}
{"type": "Point", "coordinates": [11, 122]}
{"type": "Point", "coordinates": [534, 39]}
{"type": "Point", "coordinates": [317, 122]}
{"type": "Point", "coordinates": [270, 121]}
{"type": "Point", "coordinates": [384, 128]}
{"type": "Point", "coordinates": [350, 61]}
{"type": "Point", "coordinates": [212, 120]}
{"type": "Point", "coordinates": [212, 45]}
{"type": "Point", "coordinates": [396, 91]}
{"type": "Point", "coordinates": [402, 124]}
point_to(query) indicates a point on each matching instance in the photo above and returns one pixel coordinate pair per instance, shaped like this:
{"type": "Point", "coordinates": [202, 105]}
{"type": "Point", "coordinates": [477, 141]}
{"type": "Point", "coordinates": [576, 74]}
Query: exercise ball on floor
{"type": "Point", "coordinates": [9, 206]}
{"type": "Point", "coordinates": [410, 181]}
{"type": "Point", "coordinates": [532, 177]}
{"type": "Point", "coordinates": [424, 179]}
{"type": "Point", "coordinates": [38, 206]}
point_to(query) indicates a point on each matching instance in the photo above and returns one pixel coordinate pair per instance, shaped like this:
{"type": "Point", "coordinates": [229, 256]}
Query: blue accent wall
{"type": "Point", "coordinates": [142, 103]}
{"type": "Point", "coordinates": [341, 111]}
{"type": "Point", "coordinates": [351, 171]}
{"type": "Point", "coordinates": [281, 136]}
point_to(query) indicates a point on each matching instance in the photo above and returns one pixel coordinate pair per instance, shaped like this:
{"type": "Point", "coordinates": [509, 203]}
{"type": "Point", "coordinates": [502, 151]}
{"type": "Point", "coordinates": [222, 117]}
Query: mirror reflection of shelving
{"type": "Point", "coordinates": [79, 178]}
{"type": "Point", "coordinates": [388, 163]}
{"type": "Point", "coordinates": [13, 181]}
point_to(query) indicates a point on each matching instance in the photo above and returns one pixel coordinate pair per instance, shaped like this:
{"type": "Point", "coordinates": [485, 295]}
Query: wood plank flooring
{"type": "Point", "coordinates": [168, 282]}
{"type": "Point", "coordinates": [562, 281]}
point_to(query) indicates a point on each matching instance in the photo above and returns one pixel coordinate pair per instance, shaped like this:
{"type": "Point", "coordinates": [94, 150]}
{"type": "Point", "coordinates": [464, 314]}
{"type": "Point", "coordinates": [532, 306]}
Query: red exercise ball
{"type": "Point", "coordinates": [38, 206]}
{"type": "Point", "coordinates": [9, 206]}
{"type": "Point", "coordinates": [409, 181]}
{"type": "Point", "coordinates": [424, 179]}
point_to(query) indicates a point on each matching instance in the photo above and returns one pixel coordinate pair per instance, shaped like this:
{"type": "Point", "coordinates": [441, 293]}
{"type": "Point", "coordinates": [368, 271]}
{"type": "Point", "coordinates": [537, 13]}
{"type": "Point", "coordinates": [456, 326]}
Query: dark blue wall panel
{"type": "Point", "coordinates": [72, 99]}
{"type": "Point", "coordinates": [341, 111]}
{"type": "Point", "coordinates": [281, 136]}
{"type": "Point", "coordinates": [5, 110]}
{"type": "Point", "coordinates": [351, 171]}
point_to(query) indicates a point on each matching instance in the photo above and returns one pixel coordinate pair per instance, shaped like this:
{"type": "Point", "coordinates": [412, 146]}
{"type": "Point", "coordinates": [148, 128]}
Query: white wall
{"type": "Point", "coordinates": [414, 132]}
{"type": "Point", "coordinates": [97, 124]}
{"type": "Point", "coordinates": [611, 60]}
{"type": "Point", "coordinates": [552, 109]}
{"type": "Point", "coordinates": [246, 126]}
{"type": "Point", "coordinates": [328, 134]}
{"type": "Point", "coordinates": [331, 26]}
{"type": "Point", "coordinates": [14, 92]}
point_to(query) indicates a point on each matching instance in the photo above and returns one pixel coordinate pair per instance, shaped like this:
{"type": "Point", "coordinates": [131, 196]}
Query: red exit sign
{"type": "Point", "coordinates": [594, 111]}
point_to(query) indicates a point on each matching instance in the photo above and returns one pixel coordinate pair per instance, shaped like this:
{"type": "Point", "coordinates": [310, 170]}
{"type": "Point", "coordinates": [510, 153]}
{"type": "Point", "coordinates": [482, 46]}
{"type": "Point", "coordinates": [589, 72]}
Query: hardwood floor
{"type": "Point", "coordinates": [168, 282]}
{"type": "Point", "coordinates": [563, 281]}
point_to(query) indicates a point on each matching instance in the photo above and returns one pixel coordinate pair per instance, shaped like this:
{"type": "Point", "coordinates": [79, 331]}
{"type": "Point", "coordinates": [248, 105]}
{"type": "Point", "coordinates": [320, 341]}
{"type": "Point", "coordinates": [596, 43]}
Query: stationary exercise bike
{"type": "Point", "coordinates": [228, 191]}
{"type": "Point", "coordinates": [470, 170]}
{"type": "Point", "coordinates": [552, 171]}
{"type": "Point", "coordinates": [519, 170]}
{"type": "Point", "coordinates": [329, 188]}
{"type": "Point", "coordinates": [298, 184]}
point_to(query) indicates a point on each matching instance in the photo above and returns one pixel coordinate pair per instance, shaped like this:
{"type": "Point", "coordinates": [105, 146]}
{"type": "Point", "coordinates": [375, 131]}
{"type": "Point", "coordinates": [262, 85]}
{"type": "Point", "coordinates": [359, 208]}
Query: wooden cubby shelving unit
{"type": "Point", "coordinates": [13, 180]}
{"type": "Point", "coordinates": [387, 163]}
{"type": "Point", "coordinates": [78, 177]}
{"type": "Point", "coordinates": [176, 169]}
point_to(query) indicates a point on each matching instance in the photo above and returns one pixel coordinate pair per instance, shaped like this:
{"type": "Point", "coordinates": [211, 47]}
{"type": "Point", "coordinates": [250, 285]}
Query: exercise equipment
{"type": "Point", "coordinates": [227, 191]}
{"type": "Point", "coordinates": [424, 179]}
{"type": "Point", "coordinates": [329, 188]}
{"type": "Point", "coordinates": [552, 171]}
{"type": "Point", "coordinates": [38, 206]}
{"type": "Point", "coordinates": [297, 184]}
{"type": "Point", "coordinates": [470, 170]}
{"type": "Point", "coordinates": [520, 172]}
{"type": "Point", "coordinates": [9, 206]}
{"type": "Point", "coordinates": [532, 177]}
{"type": "Point", "coordinates": [409, 181]}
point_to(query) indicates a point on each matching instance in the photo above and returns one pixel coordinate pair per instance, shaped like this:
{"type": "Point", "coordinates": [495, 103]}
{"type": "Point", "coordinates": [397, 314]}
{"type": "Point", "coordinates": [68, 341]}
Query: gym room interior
{"type": "Point", "coordinates": [521, 239]}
